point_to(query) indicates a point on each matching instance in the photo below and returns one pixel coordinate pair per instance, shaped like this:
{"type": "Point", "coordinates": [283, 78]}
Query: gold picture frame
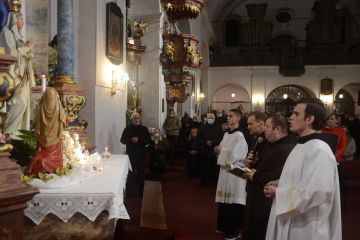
{"type": "Point", "coordinates": [114, 33]}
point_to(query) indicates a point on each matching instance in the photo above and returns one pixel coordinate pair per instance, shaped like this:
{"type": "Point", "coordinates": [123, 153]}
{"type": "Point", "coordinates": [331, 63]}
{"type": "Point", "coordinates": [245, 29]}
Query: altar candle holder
{"type": "Point", "coordinates": [43, 83]}
{"type": "Point", "coordinates": [106, 154]}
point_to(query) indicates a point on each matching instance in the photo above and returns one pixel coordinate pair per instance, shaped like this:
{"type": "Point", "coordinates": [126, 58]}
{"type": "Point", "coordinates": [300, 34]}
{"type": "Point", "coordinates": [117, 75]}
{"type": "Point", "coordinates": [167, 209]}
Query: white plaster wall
{"type": "Point", "coordinates": [261, 80]}
{"type": "Point", "coordinates": [87, 57]}
{"type": "Point", "coordinates": [201, 28]}
{"type": "Point", "coordinates": [109, 110]}
{"type": "Point", "coordinates": [104, 113]}
{"type": "Point", "coordinates": [152, 89]}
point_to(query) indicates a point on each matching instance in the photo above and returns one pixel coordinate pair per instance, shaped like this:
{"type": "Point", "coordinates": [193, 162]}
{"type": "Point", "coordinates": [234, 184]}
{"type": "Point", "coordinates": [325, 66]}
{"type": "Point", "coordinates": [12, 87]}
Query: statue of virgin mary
{"type": "Point", "coordinates": [13, 41]}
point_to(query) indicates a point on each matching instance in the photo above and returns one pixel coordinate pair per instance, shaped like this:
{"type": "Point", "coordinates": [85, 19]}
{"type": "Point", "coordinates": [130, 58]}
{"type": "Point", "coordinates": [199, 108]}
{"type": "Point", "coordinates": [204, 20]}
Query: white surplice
{"type": "Point", "coordinates": [307, 203]}
{"type": "Point", "coordinates": [230, 188]}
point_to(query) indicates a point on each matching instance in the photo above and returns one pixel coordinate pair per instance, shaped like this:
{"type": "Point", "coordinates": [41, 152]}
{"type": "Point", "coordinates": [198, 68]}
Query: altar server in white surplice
{"type": "Point", "coordinates": [306, 201]}
{"type": "Point", "coordinates": [230, 192]}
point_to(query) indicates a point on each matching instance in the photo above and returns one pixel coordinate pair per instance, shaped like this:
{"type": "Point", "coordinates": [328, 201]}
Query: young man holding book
{"type": "Point", "coordinates": [230, 192]}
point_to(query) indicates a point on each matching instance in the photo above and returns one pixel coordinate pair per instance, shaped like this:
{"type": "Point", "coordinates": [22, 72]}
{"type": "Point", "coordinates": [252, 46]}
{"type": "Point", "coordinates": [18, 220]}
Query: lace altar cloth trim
{"type": "Point", "coordinates": [102, 192]}
{"type": "Point", "coordinates": [65, 207]}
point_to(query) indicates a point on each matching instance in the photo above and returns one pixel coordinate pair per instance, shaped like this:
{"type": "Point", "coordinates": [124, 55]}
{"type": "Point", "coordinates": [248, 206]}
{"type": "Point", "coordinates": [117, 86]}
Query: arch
{"type": "Point", "coordinates": [223, 100]}
{"type": "Point", "coordinates": [283, 99]}
{"type": "Point", "coordinates": [347, 99]}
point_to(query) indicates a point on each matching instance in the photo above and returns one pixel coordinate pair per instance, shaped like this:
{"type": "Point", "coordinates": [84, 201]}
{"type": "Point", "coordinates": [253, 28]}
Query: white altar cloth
{"type": "Point", "coordinates": [102, 191]}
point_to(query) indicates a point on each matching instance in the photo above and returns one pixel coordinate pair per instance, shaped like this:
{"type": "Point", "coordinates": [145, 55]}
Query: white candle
{"type": "Point", "coordinates": [43, 83]}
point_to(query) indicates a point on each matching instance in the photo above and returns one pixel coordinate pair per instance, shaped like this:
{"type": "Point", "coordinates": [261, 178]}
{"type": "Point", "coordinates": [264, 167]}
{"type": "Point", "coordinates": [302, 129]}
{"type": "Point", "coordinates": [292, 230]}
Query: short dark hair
{"type": "Point", "coordinates": [237, 112]}
{"type": "Point", "coordinates": [259, 116]}
{"type": "Point", "coordinates": [278, 120]}
{"type": "Point", "coordinates": [314, 107]}
{"type": "Point", "coordinates": [332, 114]}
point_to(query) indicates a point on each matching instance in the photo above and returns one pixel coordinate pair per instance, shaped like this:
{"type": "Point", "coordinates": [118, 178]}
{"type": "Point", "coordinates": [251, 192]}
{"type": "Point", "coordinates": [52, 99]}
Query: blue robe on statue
{"type": "Point", "coordinates": [4, 13]}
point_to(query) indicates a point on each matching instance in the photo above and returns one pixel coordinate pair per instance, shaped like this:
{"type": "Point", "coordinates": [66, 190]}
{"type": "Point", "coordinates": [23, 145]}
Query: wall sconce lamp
{"type": "Point", "coordinates": [201, 97]}
{"type": "Point", "coordinates": [327, 99]}
{"type": "Point", "coordinates": [119, 83]}
{"type": "Point", "coordinates": [285, 96]}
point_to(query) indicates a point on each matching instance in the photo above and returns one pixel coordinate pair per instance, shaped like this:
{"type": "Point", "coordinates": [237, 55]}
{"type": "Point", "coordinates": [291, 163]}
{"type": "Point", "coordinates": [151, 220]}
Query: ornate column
{"type": "Point", "coordinates": [71, 94]}
{"type": "Point", "coordinates": [65, 23]}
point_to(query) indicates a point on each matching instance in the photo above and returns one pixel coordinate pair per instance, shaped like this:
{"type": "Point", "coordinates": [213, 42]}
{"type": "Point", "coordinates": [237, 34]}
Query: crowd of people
{"type": "Point", "coordinates": [293, 190]}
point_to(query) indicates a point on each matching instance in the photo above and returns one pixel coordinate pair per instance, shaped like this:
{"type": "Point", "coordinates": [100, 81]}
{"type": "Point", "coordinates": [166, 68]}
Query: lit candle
{"type": "Point", "coordinates": [106, 153]}
{"type": "Point", "coordinates": [43, 83]}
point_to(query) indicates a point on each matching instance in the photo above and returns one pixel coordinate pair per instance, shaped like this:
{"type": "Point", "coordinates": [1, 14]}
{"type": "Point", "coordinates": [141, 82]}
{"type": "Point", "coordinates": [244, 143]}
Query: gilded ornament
{"type": "Point", "coordinates": [15, 6]}
{"type": "Point", "coordinates": [192, 55]}
{"type": "Point", "coordinates": [183, 8]}
{"type": "Point", "coordinates": [170, 50]}
{"type": "Point", "coordinates": [72, 105]}
{"type": "Point", "coordinates": [7, 82]}
{"type": "Point", "coordinates": [64, 79]}
{"type": "Point", "coordinates": [140, 27]}
{"type": "Point", "coordinates": [165, 72]}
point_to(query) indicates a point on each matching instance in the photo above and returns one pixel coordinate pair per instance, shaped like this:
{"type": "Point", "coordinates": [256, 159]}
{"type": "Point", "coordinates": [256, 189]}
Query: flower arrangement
{"type": "Point", "coordinates": [73, 153]}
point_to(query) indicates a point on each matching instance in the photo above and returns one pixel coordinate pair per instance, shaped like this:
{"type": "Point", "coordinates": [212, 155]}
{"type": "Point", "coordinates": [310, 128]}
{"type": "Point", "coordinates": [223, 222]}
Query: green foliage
{"type": "Point", "coordinates": [29, 138]}
{"type": "Point", "coordinates": [42, 176]}
{"type": "Point", "coordinates": [65, 171]}
{"type": "Point", "coordinates": [24, 148]}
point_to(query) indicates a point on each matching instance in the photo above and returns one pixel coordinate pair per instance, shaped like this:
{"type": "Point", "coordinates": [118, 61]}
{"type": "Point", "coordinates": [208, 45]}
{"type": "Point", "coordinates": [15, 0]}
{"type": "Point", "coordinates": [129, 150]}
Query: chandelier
{"type": "Point", "coordinates": [180, 9]}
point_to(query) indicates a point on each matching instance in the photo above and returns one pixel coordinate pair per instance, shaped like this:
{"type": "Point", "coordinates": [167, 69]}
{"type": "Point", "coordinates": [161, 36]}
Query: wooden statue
{"type": "Point", "coordinates": [49, 122]}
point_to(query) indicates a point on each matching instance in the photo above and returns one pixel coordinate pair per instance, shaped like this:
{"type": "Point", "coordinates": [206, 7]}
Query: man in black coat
{"type": "Point", "coordinates": [210, 135]}
{"type": "Point", "coordinates": [136, 137]}
{"type": "Point", "coordinates": [268, 168]}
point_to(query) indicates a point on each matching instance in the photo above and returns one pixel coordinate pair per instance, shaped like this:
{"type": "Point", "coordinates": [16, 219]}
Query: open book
{"type": "Point", "coordinates": [240, 170]}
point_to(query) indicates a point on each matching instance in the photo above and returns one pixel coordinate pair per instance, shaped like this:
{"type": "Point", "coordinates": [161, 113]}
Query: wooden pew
{"type": "Point", "coordinates": [152, 223]}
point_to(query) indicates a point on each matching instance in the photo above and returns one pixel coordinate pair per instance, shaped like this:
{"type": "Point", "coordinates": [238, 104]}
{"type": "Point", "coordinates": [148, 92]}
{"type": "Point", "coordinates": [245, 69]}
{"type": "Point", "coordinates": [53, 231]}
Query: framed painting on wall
{"type": "Point", "coordinates": [114, 33]}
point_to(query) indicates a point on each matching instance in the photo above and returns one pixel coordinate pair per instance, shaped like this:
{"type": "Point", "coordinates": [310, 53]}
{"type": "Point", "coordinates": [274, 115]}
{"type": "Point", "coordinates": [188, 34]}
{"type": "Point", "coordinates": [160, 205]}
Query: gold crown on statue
{"type": "Point", "coordinates": [15, 6]}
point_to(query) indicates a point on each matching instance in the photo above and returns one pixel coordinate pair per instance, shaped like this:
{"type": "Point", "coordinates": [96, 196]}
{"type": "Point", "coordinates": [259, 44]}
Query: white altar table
{"type": "Point", "coordinates": [102, 191]}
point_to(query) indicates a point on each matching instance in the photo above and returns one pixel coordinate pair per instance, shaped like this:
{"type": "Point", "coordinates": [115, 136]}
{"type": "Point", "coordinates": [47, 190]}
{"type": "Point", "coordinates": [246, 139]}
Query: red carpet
{"type": "Point", "coordinates": [191, 211]}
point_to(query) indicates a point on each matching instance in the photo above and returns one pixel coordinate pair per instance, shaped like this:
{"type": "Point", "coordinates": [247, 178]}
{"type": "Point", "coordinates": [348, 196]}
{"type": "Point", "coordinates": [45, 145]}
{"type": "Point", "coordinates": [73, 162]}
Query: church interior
{"type": "Point", "coordinates": [109, 60]}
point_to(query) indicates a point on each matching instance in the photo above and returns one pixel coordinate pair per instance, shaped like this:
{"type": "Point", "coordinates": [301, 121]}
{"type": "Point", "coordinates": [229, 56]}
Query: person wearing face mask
{"type": "Point", "coordinates": [136, 137]}
{"type": "Point", "coordinates": [157, 149]}
{"type": "Point", "coordinates": [210, 135]}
